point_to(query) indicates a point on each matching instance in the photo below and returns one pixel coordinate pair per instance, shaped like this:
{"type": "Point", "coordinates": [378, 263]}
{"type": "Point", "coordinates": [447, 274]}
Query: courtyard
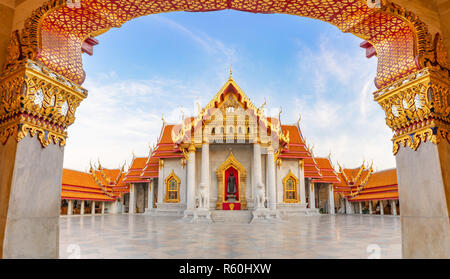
{"type": "Point", "coordinates": [144, 236]}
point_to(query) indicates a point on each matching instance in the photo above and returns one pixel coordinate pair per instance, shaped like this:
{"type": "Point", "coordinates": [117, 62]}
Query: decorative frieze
{"type": "Point", "coordinates": [37, 101]}
{"type": "Point", "coordinates": [417, 108]}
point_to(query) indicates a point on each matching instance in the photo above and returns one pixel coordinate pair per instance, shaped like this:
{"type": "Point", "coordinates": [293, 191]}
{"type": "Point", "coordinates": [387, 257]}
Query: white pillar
{"type": "Point", "coordinates": [331, 209]}
{"type": "Point", "coordinates": [132, 201]}
{"type": "Point", "coordinates": [394, 207]}
{"type": "Point", "coordinates": [312, 196]}
{"type": "Point", "coordinates": [70, 207]}
{"type": "Point", "coordinates": [93, 208]}
{"type": "Point", "coordinates": [161, 186]}
{"type": "Point", "coordinates": [348, 207]}
{"type": "Point", "coordinates": [190, 198]}
{"type": "Point", "coordinates": [205, 168]}
{"type": "Point", "coordinates": [360, 208]}
{"type": "Point", "coordinates": [271, 179]}
{"type": "Point", "coordinates": [370, 207]}
{"type": "Point", "coordinates": [381, 208]}
{"type": "Point", "coordinates": [82, 208]}
{"type": "Point", "coordinates": [151, 192]}
{"type": "Point", "coordinates": [122, 204]}
{"type": "Point", "coordinates": [301, 178]}
{"type": "Point", "coordinates": [103, 207]}
{"type": "Point", "coordinates": [256, 169]}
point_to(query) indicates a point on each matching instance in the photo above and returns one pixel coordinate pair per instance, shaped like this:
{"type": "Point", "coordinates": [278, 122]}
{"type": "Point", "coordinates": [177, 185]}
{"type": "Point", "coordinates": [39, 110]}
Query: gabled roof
{"type": "Point", "coordinates": [134, 172]}
{"type": "Point", "coordinates": [362, 184]}
{"type": "Point", "coordinates": [184, 133]}
{"type": "Point", "coordinates": [296, 149]}
{"type": "Point", "coordinates": [327, 171]}
{"type": "Point", "coordinates": [77, 185]}
{"type": "Point", "coordinates": [382, 185]}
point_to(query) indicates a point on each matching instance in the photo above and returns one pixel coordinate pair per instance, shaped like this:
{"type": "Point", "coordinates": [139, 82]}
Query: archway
{"type": "Point", "coordinates": [41, 89]}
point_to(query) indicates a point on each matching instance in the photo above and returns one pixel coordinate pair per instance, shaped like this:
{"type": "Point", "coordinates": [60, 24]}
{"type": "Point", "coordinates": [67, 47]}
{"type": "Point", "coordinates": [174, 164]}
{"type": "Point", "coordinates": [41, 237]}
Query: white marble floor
{"type": "Point", "coordinates": [142, 236]}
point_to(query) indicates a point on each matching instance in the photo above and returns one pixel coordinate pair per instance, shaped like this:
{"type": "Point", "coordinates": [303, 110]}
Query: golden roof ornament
{"type": "Point", "coordinates": [299, 119]}
{"type": "Point", "coordinates": [231, 72]}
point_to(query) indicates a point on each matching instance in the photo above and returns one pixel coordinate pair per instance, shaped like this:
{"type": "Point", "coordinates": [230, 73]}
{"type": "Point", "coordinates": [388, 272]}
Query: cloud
{"type": "Point", "coordinates": [338, 112]}
{"type": "Point", "coordinates": [209, 44]}
{"type": "Point", "coordinates": [124, 116]}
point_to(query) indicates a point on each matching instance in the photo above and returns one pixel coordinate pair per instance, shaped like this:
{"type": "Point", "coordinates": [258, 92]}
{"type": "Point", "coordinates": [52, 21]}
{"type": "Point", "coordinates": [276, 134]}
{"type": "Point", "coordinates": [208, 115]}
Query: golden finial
{"type": "Point", "coordinates": [162, 118]}
{"type": "Point", "coordinates": [99, 165]}
{"type": "Point", "coordinates": [299, 119]}
{"type": "Point", "coordinates": [231, 71]}
{"type": "Point", "coordinates": [279, 114]}
{"type": "Point", "coordinates": [329, 156]}
{"type": "Point", "coordinates": [91, 170]}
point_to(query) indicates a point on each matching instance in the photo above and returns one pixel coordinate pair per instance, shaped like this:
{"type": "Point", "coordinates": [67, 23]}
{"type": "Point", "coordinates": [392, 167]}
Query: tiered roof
{"type": "Point", "coordinates": [327, 172]}
{"type": "Point", "coordinates": [381, 185]}
{"type": "Point", "coordinates": [362, 184]}
{"type": "Point", "coordinates": [77, 185]}
{"type": "Point", "coordinates": [134, 174]}
{"type": "Point", "coordinates": [111, 180]}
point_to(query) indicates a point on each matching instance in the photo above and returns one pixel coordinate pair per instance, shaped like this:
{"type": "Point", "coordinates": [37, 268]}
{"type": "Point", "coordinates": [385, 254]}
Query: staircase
{"type": "Point", "coordinates": [231, 216]}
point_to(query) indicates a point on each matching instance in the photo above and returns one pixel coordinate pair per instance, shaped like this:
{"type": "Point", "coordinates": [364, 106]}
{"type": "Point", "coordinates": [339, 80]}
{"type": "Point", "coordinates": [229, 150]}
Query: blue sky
{"type": "Point", "coordinates": [161, 63]}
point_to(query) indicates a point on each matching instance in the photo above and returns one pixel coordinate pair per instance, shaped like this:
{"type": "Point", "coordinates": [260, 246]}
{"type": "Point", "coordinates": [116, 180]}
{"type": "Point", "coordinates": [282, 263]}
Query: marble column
{"type": "Point", "coordinates": [370, 207]}
{"type": "Point", "coordinates": [103, 207]}
{"type": "Point", "coordinates": [312, 196]}
{"type": "Point", "coordinates": [393, 208]}
{"type": "Point", "coordinates": [331, 209]}
{"type": "Point", "coordinates": [93, 208]}
{"type": "Point", "coordinates": [190, 198]}
{"type": "Point", "coordinates": [82, 207]}
{"type": "Point", "coordinates": [301, 178]}
{"type": "Point", "coordinates": [348, 207]}
{"type": "Point", "coordinates": [132, 200]}
{"type": "Point", "coordinates": [70, 207]}
{"type": "Point", "coordinates": [257, 169]}
{"type": "Point", "coordinates": [381, 208]}
{"type": "Point", "coordinates": [271, 179]}
{"type": "Point", "coordinates": [360, 207]}
{"type": "Point", "coordinates": [151, 192]}
{"type": "Point", "coordinates": [161, 186]}
{"type": "Point", "coordinates": [205, 168]}
{"type": "Point", "coordinates": [424, 189]}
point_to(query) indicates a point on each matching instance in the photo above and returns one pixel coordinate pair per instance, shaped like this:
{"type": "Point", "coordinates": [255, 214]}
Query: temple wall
{"type": "Point", "coordinates": [175, 166]}
{"type": "Point", "coordinates": [280, 173]}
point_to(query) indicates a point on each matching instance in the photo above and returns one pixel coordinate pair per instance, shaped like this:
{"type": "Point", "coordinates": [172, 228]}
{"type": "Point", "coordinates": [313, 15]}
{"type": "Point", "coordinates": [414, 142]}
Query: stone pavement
{"type": "Point", "coordinates": [143, 236]}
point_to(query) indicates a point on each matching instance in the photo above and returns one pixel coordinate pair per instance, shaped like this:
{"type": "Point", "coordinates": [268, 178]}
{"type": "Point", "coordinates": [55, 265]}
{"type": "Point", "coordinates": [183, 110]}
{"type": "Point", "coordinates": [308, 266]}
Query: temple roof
{"type": "Point", "coordinates": [362, 184]}
{"type": "Point", "coordinates": [134, 174]}
{"type": "Point", "coordinates": [327, 171]}
{"type": "Point", "coordinates": [77, 185]}
{"type": "Point", "coordinates": [229, 94]}
{"type": "Point", "coordinates": [382, 185]}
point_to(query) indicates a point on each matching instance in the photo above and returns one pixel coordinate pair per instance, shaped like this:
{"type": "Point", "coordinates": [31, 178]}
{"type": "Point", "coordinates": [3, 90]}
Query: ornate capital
{"type": "Point", "coordinates": [417, 108]}
{"type": "Point", "coordinates": [38, 101]}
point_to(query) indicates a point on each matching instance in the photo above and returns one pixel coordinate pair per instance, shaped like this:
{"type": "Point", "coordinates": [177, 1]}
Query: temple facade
{"type": "Point", "coordinates": [230, 159]}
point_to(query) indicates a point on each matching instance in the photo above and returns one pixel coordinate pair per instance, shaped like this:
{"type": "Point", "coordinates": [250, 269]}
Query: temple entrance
{"type": "Point", "coordinates": [231, 194]}
{"type": "Point", "coordinates": [231, 177]}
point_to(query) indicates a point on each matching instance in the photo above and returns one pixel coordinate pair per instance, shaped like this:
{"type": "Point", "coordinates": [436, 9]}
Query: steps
{"type": "Point", "coordinates": [231, 216]}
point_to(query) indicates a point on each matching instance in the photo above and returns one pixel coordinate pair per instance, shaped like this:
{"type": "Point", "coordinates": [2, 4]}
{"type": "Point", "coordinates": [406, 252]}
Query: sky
{"type": "Point", "coordinates": [158, 65]}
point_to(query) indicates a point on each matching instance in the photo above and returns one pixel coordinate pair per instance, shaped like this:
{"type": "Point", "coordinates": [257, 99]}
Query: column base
{"type": "Point", "coordinates": [201, 215]}
{"type": "Point", "coordinates": [264, 215]}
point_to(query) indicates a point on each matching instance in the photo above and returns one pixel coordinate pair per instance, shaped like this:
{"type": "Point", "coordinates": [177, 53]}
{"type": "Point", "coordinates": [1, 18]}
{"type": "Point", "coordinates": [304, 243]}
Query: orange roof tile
{"type": "Point", "coordinates": [327, 172]}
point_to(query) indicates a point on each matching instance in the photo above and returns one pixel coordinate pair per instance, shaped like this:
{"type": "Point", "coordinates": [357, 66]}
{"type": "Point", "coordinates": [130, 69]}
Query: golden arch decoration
{"type": "Point", "coordinates": [231, 161]}
{"type": "Point", "coordinates": [290, 195]}
{"type": "Point", "coordinates": [172, 186]}
{"type": "Point", "coordinates": [55, 32]}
